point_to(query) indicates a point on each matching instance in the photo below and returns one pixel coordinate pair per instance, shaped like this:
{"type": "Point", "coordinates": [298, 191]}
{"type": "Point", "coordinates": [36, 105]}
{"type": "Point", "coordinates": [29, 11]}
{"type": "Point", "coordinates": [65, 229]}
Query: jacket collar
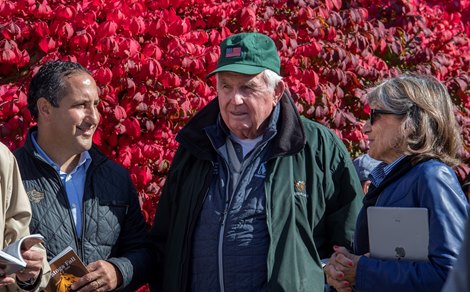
{"type": "Point", "coordinates": [219, 131]}
{"type": "Point", "coordinates": [290, 137]}
{"type": "Point", "coordinates": [96, 155]}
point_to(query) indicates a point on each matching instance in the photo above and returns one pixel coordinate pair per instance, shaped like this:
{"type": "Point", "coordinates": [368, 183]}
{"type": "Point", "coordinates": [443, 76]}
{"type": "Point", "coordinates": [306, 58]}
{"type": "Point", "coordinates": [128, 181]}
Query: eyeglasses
{"type": "Point", "coordinates": [374, 113]}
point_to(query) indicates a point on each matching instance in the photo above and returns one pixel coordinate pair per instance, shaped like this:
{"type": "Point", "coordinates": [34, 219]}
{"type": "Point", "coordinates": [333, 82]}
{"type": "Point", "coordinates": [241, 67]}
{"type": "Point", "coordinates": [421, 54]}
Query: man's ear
{"type": "Point", "coordinates": [44, 107]}
{"type": "Point", "coordinates": [279, 91]}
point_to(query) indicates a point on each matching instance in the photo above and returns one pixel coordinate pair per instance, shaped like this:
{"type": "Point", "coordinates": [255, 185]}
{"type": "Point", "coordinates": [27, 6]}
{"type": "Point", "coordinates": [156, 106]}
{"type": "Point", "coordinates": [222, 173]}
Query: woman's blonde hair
{"type": "Point", "coordinates": [429, 129]}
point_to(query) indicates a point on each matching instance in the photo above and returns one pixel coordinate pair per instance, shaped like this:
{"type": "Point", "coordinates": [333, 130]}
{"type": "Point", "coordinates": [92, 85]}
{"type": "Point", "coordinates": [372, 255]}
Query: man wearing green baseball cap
{"type": "Point", "coordinates": [256, 194]}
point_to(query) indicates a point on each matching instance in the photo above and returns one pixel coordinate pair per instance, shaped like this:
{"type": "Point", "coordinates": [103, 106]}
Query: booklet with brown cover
{"type": "Point", "coordinates": [66, 268]}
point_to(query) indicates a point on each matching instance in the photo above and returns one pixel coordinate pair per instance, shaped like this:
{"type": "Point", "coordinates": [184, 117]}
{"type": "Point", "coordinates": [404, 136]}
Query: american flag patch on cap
{"type": "Point", "coordinates": [233, 52]}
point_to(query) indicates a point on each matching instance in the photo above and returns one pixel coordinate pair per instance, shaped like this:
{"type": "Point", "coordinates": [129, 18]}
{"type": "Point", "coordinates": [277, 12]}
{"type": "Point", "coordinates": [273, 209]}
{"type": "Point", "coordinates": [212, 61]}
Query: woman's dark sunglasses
{"type": "Point", "coordinates": [374, 113]}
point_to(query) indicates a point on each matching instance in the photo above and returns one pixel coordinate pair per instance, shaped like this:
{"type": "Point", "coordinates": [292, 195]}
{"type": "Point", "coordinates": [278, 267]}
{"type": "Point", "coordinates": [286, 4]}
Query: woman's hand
{"type": "Point", "coordinates": [341, 269]}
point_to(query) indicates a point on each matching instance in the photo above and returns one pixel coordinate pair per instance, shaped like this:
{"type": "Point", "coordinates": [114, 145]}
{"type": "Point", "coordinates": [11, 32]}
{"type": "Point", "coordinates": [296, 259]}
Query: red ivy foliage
{"type": "Point", "coordinates": [150, 59]}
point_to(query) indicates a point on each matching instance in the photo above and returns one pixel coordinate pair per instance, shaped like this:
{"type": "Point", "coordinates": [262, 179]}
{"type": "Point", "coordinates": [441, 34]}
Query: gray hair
{"type": "Point", "coordinates": [429, 129]}
{"type": "Point", "coordinates": [270, 77]}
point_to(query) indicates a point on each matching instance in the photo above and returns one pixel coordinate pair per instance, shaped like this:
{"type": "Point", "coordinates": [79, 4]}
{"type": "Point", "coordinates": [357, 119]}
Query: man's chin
{"type": "Point", "coordinates": [86, 144]}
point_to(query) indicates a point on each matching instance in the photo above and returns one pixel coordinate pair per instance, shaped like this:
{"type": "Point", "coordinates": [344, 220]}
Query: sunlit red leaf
{"type": "Point", "coordinates": [158, 28]}
{"type": "Point", "coordinates": [137, 26]}
{"type": "Point", "coordinates": [310, 50]}
{"type": "Point", "coordinates": [106, 29]}
{"type": "Point", "coordinates": [47, 44]}
{"type": "Point", "coordinates": [120, 113]}
{"type": "Point", "coordinates": [179, 27]}
{"type": "Point", "coordinates": [152, 50]}
{"type": "Point", "coordinates": [65, 12]}
{"type": "Point", "coordinates": [62, 29]}
{"type": "Point", "coordinates": [41, 9]}
{"type": "Point", "coordinates": [125, 158]}
{"type": "Point", "coordinates": [7, 8]}
{"type": "Point", "coordinates": [10, 31]}
{"type": "Point", "coordinates": [170, 80]}
{"type": "Point", "coordinates": [132, 127]}
{"type": "Point", "coordinates": [80, 41]}
{"type": "Point", "coordinates": [107, 45]}
{"type": "Point", "coordinates": [141, 175]}
{"type": "Point", "coordinates": [248, 17]}
{"type": "Point", "coordinates": [129, 46]}
{"type": "Point", "coordinates": [9, 52]}
{"type": "Point", "coordinates": [152, 68]}
{"type": "Point", "coordinates": [103, 75]}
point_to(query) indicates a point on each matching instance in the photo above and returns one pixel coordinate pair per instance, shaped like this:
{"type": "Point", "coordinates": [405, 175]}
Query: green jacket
{"type": "Point", "coordinates": [313, 196]}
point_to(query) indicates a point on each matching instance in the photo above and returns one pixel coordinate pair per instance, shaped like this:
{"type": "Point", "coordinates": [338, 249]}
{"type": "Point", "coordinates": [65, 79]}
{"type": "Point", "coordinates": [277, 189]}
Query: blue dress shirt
{"type": "Point", "coordinates": [74, 182]}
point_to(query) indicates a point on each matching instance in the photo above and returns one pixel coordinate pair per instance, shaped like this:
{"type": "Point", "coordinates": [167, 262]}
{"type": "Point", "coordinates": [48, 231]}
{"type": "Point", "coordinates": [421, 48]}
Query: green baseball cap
{"type": "Point", "coordinates": [248, 53]}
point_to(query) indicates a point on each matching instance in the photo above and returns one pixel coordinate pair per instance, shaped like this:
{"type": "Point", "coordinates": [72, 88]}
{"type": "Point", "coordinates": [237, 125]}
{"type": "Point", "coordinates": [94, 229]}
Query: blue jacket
{"type": "Point", "coordinates": [432, 185]}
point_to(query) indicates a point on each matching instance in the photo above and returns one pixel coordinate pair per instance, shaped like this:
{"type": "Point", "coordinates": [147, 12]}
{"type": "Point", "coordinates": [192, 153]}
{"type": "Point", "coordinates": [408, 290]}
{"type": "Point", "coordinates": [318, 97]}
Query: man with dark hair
{"type": "Point", "coordinates": [256, 195]}
{"type": "Point", "coordinates": [79, 197]}
{"type": "Point", "coordinates": [51, 84]}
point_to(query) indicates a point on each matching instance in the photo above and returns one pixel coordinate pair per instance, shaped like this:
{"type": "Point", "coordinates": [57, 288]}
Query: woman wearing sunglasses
{"type": "Point", "coordinates": [413, 131]}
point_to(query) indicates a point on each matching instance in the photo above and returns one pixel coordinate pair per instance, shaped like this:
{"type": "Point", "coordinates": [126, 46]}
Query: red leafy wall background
{"type": "Point", "coordinates": [150, 59]}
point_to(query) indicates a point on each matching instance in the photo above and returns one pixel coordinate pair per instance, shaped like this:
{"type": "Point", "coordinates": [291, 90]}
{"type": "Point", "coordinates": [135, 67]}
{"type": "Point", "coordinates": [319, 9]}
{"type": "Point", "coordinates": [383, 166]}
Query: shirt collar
{"type": "Point", "coordinates": [378, 174]}
{"type": "Point", "coordinates": [85, 158]}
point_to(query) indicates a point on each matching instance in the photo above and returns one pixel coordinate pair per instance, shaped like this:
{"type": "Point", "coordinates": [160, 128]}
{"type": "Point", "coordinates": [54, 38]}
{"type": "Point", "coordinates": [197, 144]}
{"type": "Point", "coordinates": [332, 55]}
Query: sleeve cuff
{"type": "Point", "coordinates": [30, 284]}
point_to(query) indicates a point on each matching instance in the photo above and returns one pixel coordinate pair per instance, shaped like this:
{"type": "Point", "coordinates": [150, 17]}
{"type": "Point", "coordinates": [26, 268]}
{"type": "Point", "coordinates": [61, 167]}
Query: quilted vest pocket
{"type": "Point", "coordinates": [111, 216]}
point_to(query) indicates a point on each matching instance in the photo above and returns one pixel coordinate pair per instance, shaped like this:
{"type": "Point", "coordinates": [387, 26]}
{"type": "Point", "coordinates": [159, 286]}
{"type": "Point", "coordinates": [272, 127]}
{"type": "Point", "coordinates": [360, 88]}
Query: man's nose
{"type": "Point", "coordinates": [237, 98]}
{"type": "Point", "coordinates": [94, 114]}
